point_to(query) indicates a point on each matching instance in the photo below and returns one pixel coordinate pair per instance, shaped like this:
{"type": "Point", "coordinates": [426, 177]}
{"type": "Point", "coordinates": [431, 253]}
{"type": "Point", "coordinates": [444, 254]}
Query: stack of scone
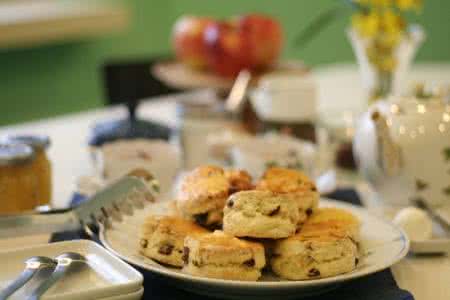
{"type": "Point", "coordinates": [276, 220]}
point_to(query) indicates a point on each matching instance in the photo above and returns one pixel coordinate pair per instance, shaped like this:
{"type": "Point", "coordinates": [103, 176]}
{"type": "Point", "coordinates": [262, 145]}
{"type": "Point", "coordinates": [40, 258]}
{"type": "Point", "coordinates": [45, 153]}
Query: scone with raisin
{"type": "Point", "coordinates": [162, 238]}
{"type": "Point", "coordinates": [293, 183]}
{"type": "Point", "coordinates": [219, 255]}
{"type": "Point", "coordinates": [260, 214]}
{"type": "Point", "coordinates": [337, 218]}
{"type": "Point", "coordinates": [317, 251]}
{"type": "Point", "coordinates": [202, 195]}
{"type": "Point", "coordinates": [239, 180]}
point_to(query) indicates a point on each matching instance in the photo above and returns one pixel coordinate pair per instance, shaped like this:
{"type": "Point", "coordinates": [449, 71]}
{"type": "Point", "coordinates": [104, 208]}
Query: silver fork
{"type": "Point", "coordinates": [119, 198]}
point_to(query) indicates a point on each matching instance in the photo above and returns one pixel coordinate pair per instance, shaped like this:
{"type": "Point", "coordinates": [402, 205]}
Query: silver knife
{"type": "Point", "coordinates": [116, 199]}
{"type": "Point", "coordinates": [420, 203]}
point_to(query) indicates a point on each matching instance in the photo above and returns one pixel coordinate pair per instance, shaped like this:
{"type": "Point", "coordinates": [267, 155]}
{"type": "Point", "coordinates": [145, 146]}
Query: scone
{"type": "Point", "coordinates": [260, 214]}
{"type": "Point", "coordinates": [239, 180]}
{"type": "Point", "coordinates": [219, 255]}
{"type": "Point", "coordinates": [337, 218]}
{"type": "Point", "coordinates": [294, 183]}
{"type": "Point", "coordinates": [162, 238]}
{"type": "Point", "coordinates": [317, 251]}
{"type": "Point", "coordinates": [202, 195]}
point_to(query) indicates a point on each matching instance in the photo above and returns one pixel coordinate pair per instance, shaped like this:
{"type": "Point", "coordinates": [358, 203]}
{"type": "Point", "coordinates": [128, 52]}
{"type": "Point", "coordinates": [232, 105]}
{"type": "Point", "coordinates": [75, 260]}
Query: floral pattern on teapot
{"type": "Point", "coordinates": [402, 148]}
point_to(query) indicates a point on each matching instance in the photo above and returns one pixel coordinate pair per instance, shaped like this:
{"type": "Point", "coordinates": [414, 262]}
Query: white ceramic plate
{"type": "Point", "coordinates": [106, 276]}
{"type": "Point", "coordinates": [384, 243]}
{"type": "Point", "coordinates": [440, 240]}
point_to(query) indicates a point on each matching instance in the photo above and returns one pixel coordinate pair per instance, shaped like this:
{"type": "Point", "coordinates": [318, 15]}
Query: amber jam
{"type": "Point", "coordinates": [25, 173]}
{"type": "Point", "coordinates": [18, 180]}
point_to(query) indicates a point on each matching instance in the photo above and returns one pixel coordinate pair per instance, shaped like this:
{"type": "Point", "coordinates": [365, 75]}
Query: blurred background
{"type": "Point", "coordinates": [47, 77]}
{"type": "Point", "coordinates": [323, 87]}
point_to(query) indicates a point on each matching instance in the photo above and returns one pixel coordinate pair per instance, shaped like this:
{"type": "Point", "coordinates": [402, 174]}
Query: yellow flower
{"type": "Point", "coordinates": [381, 3]}
{"type": "Point", "coordinates": [390, 40]}
{"type": "Point", "coordinates": [392, 23]}
{"type": "Point", "coordinates": [408, 4]}
{"type": "Point", "coordinates": [367, 25]}
{"type": "Point", "coordinates": [387, 64]}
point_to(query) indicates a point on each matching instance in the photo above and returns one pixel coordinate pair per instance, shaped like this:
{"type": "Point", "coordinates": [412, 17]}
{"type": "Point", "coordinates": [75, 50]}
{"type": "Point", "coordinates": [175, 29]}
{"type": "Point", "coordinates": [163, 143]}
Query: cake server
{"type": "Point", "coordinates": [119, 198]}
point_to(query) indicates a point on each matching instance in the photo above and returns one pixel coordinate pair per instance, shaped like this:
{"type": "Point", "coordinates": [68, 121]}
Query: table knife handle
{"type": "Point", "coordinates": [58, 273]}
{"type": "Point", "coordinates": [20, 281]}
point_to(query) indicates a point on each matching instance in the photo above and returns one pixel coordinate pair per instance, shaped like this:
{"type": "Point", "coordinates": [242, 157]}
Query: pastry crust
{"type": "Point", "coordinates": [203, 194]}
{"type": "Point", "coordinates": [162, 238]}
{"type": "Point", "coordinates": [336, 218]}
{"type": "Point", "coordinates": [294, 183]}
{"type": "Point", "coordinates": [260, 214]}
{"type": "Point", "coordinates": [282, 180]}
{"type": "Point", "coordinates": [219, 255]}
{"type": "Point", "coordinates": [239, 180]}
{"type": "Point", "coordinates": [324, 247]}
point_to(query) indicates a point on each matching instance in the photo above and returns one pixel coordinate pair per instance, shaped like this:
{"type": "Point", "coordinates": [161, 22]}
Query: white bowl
{"type": "Point", "coordinates": [116, 159]}
{"type": "Point", "coordinates": [255, 154]}
{"type": "Point", "coordinates": [285, 98]}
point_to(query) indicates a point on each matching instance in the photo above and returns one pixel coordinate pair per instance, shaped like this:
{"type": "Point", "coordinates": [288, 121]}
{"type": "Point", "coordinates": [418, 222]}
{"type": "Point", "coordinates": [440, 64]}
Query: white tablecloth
{"type": "Point", "coordinates": [339, 88]}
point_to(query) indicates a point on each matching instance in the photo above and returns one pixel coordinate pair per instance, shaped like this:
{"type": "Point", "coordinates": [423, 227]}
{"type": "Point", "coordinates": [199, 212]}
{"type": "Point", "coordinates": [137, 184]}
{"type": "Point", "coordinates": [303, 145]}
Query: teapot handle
{"type": "Point", "coordinates": [389, 156]}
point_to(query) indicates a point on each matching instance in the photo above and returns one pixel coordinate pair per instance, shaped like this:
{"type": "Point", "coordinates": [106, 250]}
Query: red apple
{"type": "Point", "coordinates": [187, 40]}
{"type": "Point", "coordinates": [249, 42]}
{"type": "Point", "coordinates": [227, 51]}
{"type": "Point", "coordinates": [265, 36]}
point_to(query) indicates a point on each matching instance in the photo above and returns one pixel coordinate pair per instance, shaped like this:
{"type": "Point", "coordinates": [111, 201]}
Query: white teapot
{"type": "Point", "coordinates": [402, 147]}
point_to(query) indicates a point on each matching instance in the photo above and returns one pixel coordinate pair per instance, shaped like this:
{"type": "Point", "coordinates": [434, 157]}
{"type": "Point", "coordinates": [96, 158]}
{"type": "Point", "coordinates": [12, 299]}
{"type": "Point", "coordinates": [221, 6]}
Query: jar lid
{"type": "Point", "coordinates": [200, 110]}
{"type": "Point", "coordinates": [39, 142]}
{"type": "Point", "coordinates": [14, 153]}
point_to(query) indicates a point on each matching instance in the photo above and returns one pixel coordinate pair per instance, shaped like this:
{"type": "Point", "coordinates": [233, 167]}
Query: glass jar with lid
{"type": "Point", "coordinates": [198, 118]}
{"type": "Point", "coordinates": [41, 165]}
{"type": "Point", "coordinates": [18, 181]}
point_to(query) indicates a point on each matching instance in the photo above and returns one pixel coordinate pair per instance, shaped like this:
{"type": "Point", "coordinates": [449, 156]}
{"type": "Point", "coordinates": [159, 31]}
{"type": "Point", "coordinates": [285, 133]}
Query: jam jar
{"type": "Point", "coordinates": [18, 180]}
{"type": "Point", "coordinates": [41, 164]}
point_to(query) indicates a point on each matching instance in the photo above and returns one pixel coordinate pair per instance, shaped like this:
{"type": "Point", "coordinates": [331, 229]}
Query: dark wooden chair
{"type": "Point", "coordinates": [127, 82]}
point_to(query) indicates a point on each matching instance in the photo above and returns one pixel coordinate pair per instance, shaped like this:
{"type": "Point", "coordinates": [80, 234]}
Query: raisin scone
{"type": "Point", "coordinates": [162, 238]}
{"type": "Point", "coordinates": [337, 218]}
{"type": "Point", "coordinates": [219, 255]}
{"type": "Point", "coordinates": [317, 251]}
{"type": "Point", "coordinates": [239, 180]}
{"type": "Point", "coordinates": [260, 214]}
{"type": "Point", "coordinates": [294, 183]}
{"type": "Point", "coordinates": [202, 195]}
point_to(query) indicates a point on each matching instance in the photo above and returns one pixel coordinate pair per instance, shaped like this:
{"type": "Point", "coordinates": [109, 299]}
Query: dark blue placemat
{"type": "Point", "coordinates": [378, 286]}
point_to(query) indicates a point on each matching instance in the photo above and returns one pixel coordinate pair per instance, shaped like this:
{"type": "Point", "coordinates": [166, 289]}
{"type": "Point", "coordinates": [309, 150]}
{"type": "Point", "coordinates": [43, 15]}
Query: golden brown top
{"type": "Point", "coordinates": [203, 183]}
{"type": "Point", "coordinates": [282, 180]}
{"type": "Point", "coordinates": [321, 232]}
{"type": "Point", "coordinates": [226, 241]}
{"type": "Point", "coordinates": [173, 224]}
{"type": "Point", "coordinates": [239, 180]}
{"type": "Point", "coordinates": [329, 224]}
{"type": "Point", "coordinates": [219, 248]}
{"type": "Point", "coordinates": [334, 217]}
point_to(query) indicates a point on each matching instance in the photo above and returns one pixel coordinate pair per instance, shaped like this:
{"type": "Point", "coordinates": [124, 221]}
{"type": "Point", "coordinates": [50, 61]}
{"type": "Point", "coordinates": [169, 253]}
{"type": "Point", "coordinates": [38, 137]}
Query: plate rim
{"type": "Point", "coordinates": [277, 284]}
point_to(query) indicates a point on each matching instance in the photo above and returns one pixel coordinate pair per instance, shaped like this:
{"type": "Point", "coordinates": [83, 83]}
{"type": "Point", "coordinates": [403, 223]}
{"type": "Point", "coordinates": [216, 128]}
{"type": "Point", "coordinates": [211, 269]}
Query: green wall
{"type": "Point", "coordinates": [51, 80]}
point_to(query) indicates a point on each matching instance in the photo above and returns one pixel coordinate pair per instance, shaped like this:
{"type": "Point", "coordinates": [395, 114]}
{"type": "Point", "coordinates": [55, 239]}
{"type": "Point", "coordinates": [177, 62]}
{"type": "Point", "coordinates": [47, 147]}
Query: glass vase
{"type": "Point", "coordinates": [380, 81]}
